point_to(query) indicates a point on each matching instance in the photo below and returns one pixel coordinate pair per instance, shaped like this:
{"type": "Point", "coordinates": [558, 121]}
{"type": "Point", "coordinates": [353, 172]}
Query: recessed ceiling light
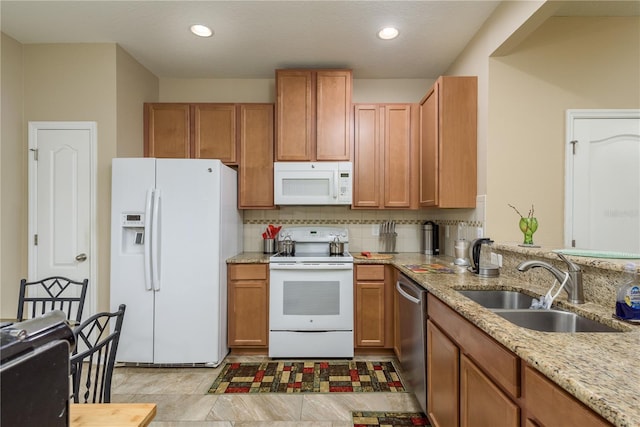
{"type": "Point", "coordinates": [201, 30]}
{"type": "Point", "coordinates": [388, 33]}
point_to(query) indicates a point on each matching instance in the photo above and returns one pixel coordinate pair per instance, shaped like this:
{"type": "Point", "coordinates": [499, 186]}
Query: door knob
{"type": "Point", "coordinates": [81, 257]}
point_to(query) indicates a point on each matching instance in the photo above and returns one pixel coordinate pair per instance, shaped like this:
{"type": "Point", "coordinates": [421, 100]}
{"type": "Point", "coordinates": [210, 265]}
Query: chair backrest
{"type": "Point", "coordinates": [53, 293]}
{"type": "Point", "coordinates": [92, 369]}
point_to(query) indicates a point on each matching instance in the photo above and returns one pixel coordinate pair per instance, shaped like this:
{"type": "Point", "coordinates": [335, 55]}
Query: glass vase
{"type": "Point", "coordinates": [528, 226]}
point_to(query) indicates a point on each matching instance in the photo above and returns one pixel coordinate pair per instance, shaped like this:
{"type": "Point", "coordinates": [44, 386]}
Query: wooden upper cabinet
{"type": "Point", "coordinates": [333, 115]}
{"type": "Point", "coordinates": [295, 114]}
{"type": "Point", "coordinates": [255, 169]}
{"type": "Point", "coordinates": [313, 115]}
{"type": "Point", "coordinates": [385, 161]}
{"type": "Point", "coordinates": [400, 174]}
{"type": "Point", "coordinates": [448, 143]}
{"type": "Point", "coordinates": [181, 130]}
{"type": "Point", "coordinates": [214, 132]}
{"type": "Point", "coordinates": [367, 165]}
{"type": "Point", "coordinates": [167, 130]}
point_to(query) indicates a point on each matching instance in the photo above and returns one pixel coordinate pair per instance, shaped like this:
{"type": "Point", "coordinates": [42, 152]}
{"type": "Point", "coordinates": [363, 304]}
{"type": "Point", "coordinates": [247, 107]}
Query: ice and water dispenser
{"type": "Point", "coordinates": [133, 233]}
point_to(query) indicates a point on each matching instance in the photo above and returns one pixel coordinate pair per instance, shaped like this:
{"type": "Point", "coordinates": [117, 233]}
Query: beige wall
{"type": "Point", "coordinates": [263, 90]}
{"type": "Point", "coordinates": [135, 86]}
{"type": "Point", "coordinates": [13, 187]}
{"type": "Point", "coordinates": [217, 90]}
{"type": "Point", "coordinates": [77, 82]}
{"type": "Point", "coordinates": [567, 63]}
{"type": "Point", "coordinates": [66, 82]}
{"type": "Point", "coordinates": [474, 61]}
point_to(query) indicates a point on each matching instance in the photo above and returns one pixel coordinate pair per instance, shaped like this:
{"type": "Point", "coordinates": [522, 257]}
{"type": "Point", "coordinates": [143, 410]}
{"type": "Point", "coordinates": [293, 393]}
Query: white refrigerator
{"type": "Point", "coordinates": [174, 222]}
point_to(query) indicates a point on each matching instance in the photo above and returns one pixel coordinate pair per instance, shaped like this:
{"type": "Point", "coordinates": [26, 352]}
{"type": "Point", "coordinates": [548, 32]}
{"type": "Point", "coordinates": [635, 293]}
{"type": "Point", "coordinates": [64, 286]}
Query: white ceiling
{"type": "Point", "coordinates": [252, 38]}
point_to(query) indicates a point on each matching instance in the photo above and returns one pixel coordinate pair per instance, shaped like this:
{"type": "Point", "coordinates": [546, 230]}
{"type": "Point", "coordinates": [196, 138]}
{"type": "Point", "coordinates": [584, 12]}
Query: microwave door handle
{"type": "Point", "coordinates": [335, 184]}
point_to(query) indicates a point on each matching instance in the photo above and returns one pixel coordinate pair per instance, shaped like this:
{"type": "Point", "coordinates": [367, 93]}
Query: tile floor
{"type": "Point", "coordinates": [182, 399]}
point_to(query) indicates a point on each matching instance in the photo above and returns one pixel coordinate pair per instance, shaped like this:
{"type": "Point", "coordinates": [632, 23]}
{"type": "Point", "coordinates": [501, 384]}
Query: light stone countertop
{"type": "Point", "coordinates": [602, 370]}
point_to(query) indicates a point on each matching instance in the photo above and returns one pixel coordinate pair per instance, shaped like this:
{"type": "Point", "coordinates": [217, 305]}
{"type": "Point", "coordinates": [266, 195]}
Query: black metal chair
{"type": "Point", "coordinates": [92, 369]}
{"type": "Point", "coordinates": [52, 293]}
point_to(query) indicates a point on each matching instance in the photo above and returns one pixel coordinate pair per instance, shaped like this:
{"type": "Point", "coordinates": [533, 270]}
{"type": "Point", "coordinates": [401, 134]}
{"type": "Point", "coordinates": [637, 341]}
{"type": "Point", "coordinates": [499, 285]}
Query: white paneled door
{"type": "Point", "coordinates": [603, 180]}
{"type": "Point", "coordinates": [61, 205]}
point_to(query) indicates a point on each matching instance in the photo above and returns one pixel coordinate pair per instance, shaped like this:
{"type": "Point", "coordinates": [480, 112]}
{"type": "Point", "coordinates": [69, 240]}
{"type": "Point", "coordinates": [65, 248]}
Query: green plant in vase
{"type": "Point", "coordinates": [528, 225]}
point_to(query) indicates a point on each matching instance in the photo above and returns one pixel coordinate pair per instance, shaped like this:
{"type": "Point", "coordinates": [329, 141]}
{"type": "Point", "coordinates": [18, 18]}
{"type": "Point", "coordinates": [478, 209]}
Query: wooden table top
{"type": "Point", "coordinates": [111, 414]}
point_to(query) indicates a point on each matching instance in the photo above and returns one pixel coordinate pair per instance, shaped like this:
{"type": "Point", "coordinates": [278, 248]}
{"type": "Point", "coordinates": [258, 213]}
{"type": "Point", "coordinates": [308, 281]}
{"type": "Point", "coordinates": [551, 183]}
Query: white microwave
{"type": "Point", "coordinates": [312, 183]}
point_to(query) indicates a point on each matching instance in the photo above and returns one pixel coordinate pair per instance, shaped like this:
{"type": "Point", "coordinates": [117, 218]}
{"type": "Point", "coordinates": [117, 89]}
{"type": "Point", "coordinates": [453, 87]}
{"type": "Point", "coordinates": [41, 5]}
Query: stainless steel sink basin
{"type": "Point", "coordinates": [499, 299]}
{"type": "Point", "coordinates": [553, 321]}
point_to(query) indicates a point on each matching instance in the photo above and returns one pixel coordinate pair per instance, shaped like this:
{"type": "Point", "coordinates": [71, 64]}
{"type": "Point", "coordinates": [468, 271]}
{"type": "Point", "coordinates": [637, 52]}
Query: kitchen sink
{"type": "Point", "coordinates": [497, 299]}
{"type": "Point", "coordinates": [553, 321]}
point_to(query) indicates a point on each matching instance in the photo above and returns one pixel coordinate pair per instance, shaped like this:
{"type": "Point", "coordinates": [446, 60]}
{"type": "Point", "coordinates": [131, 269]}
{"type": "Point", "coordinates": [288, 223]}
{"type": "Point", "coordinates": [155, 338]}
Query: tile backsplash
{"type": "Point", "coordinates": [363, 224]}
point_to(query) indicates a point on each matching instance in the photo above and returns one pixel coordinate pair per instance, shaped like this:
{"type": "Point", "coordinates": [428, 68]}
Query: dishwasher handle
{"type": "Point", "coordinates": [401, 291]}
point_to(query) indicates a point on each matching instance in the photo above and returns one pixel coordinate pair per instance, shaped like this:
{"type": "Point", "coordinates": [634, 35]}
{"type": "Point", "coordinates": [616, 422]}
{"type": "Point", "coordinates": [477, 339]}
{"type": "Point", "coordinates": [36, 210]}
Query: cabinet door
{"type": "Point", "coordinates": [482, 404]}
{"type": "Point", "coordinates": [333, 115]}
{"type": "Point", "coordinates": [448, 143]}
{"type": "Point", "coordinates": [429, 148]}
{"type": "Point", "coordinates": [370, 314]}
{"type": "Point", "coordinates": [167, 130]}
{"type": "Point", "coordinates": [442, 378]}
{"type": "Point", "coordinates": [295, 115]}
{"type": "Point", "coordinates": [457, 156]}
{"type": "Point", "coordinates": [367, 173]}
{"type": "Point", "coordinates": [549, 405]}
{"type": "Point", "coordinates": [255, 171]}
{"type": "Point", "coordinates": [248, 306]}
{"type": "Point", "coordinates": [398, 150]}
{"type": "Point", "coordinates": [214, 132]}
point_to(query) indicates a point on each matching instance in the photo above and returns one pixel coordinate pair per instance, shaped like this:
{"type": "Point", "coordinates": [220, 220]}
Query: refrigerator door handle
{"type": "Point", "coordinates": [147, 241]}
{"type": "Point", "coordinates": [155, 232]}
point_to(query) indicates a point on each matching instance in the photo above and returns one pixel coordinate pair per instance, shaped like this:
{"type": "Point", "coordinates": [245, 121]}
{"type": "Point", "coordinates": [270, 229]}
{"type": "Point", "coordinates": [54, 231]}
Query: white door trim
{"type": "Point", "coordinates": [32, 229]}
{"type": "Point", "coordinates": [571, 116]}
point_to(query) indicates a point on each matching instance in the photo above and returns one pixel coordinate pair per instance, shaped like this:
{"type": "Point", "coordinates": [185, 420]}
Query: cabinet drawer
{"type": "Point", "coordinates": [248, 271]}
{"type": "Point", "coordinates": [549, 405]}
{"type": "Point", "coordinates": [370, 272]}
{"type": "Point", "coordinates": [497, 362]}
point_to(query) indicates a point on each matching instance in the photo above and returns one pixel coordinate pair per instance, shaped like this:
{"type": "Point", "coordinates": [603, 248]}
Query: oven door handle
{"type": "Point", "coordinates": [311, 266]}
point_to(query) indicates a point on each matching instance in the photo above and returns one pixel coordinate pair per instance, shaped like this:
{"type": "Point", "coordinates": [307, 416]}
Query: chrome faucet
{"type": "Point", "coordinates": [573, 287]}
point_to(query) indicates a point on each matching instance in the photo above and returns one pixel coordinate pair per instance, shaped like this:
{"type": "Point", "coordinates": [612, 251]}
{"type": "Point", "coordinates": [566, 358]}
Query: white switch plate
{"type": "Point", "coordinates": [375, 229]}
{"type": "Point", "coordinates": [479, 232]}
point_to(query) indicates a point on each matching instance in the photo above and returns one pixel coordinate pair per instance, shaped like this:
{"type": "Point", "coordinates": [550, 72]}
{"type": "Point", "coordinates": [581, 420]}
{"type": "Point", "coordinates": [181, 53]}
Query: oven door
{"type": "Point", "coordinates": [311, 297]}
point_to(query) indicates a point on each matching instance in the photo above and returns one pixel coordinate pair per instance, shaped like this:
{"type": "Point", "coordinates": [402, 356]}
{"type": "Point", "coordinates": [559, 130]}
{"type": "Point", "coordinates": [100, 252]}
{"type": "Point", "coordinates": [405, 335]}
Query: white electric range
{"type": "Point", "coordinates": [311, 296]}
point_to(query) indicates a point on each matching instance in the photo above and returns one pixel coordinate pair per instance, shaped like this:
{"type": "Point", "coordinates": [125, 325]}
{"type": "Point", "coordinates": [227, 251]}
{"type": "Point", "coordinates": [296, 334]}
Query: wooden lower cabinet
{"type": "Point", "coordinates": [248, 305]}
{"type": "Point", "coordinates": [442, 378]}
{"type": "Point", "coordinates": [546, 403]}
{"type": "Point", "coordinates": [474, 381]}
{"type": "Point", "coordinates": [482, 403]}
{"type": "Point", "coordinates": [374, 316]}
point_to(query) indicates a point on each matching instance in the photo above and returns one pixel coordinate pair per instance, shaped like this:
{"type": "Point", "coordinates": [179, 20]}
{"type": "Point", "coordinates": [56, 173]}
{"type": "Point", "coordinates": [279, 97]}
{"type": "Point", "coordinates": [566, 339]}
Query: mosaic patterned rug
{"type": "Point", "coordinates": [384, 419]}
{"type": "Point", "coordinates": [308, 377]}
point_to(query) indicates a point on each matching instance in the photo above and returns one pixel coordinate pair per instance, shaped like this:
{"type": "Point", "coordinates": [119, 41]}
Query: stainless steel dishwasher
{"type": "Point", "coordinates": [412, 307]}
